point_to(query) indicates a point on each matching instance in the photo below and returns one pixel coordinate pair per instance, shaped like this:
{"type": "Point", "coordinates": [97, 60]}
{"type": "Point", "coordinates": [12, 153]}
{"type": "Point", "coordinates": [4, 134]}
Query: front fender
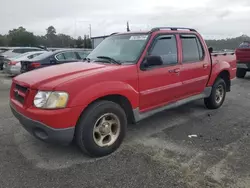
{"type": "Point", "coordinates": [87, 95]}
{"type": "Point", "coordinates": [217, 68]}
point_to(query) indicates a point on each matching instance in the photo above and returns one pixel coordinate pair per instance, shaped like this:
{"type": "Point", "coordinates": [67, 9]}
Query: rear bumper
{"type": "Point", "coordinates": [11, 70]}
{"type": "Point", "coordinates": [243, 65]}
{"type": "Point", "coordinates": [44, 132]}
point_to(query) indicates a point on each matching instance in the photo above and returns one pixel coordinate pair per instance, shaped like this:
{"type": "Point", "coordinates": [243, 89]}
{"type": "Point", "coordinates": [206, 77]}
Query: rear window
{"type": "Point", "coordinates": [245, 45]}
{"type": "Point", "coordinates": [43, 56]}
{"type": "Point", "coordinates": [18, 51]}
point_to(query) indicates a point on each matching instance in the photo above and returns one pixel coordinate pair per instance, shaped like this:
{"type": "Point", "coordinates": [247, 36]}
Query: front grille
{"type": "Point", "coordinates": [20, 93]}
{"type": "Point", "coordinates": [21, 88]}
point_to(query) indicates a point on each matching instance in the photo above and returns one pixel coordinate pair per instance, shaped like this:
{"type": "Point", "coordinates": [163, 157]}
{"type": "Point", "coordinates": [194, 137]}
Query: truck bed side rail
{"type": "Point", "coordinates": [222, 53]}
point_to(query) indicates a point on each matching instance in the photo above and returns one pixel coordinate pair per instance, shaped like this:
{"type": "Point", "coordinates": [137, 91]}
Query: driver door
{"type": "Point", "coordinates": [161, 84]}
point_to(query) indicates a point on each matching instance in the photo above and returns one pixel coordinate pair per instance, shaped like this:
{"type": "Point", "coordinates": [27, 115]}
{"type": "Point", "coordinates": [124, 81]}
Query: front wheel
{"type": "Point", "coordinates": [218, 94]}
{"type": "Point", "coordinates": [101, 129]}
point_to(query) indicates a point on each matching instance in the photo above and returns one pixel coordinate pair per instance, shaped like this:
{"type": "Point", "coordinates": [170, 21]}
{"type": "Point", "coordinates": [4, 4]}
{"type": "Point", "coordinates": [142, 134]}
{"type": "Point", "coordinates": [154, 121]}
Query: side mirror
{"type": "Point", "coordinates": [210, 50]}
{"type": "Point", "coordinates": [152, 61]}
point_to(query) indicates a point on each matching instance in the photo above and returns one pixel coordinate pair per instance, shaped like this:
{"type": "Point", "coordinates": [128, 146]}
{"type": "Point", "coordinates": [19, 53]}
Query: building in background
{"type": "Point", "coordinates": [97, 40]}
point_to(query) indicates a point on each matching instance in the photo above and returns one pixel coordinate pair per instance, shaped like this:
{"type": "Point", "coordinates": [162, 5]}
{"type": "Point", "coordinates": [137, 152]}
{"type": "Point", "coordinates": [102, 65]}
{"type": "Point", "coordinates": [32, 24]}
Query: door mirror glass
{"type": "Point", "coordinates": [153, 61]}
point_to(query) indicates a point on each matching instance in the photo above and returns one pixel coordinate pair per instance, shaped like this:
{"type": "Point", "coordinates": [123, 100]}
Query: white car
{"type": "Point", "coordinates": [12, 66]}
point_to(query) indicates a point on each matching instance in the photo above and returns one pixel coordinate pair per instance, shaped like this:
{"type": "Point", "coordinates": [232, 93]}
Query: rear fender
{"type": "Point", "coordinates": [217, 68]}
{"type": "Point", "coordinates": [93, 92]}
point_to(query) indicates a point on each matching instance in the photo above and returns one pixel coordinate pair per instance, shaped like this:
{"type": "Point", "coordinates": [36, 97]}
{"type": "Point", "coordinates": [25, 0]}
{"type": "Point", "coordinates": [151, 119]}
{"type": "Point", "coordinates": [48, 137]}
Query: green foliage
{"type": "Point", "coordinates": [230, 44]}
{"type": "Point", "coordinates": [22, 37]}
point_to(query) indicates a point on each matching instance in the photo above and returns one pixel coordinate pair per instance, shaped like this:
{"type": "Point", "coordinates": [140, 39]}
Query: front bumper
{"type": "Point", "coordinates": [44, 132]}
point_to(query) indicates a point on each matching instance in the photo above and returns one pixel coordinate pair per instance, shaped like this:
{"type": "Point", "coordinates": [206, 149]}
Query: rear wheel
{"type": "Point", "coordinates": [101, 129]}
{"type": "Point", "coordinates": [241, 73]}
{"type": "Point", "coordinates": [218, 94]}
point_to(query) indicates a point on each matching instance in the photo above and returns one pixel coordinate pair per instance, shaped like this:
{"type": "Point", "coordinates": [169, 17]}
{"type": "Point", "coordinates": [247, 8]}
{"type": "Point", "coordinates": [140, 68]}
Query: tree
{"type": "Point", "coordinates": [51, 36]}
{"type": "Point", "coordinates": [21, 37]}
{"type": "Point", "coordinates": [79, 42]}
{"type": "Point", "coordinates": [3, 40]}
{"type": "Point", "coordinates": [87, 42]}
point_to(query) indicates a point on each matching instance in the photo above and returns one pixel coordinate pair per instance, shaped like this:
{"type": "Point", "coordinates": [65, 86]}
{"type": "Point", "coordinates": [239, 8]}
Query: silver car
{"type": "Point", "coordinates": [12, 66]}
{"type": "Point", "coordinates": [12, 52]}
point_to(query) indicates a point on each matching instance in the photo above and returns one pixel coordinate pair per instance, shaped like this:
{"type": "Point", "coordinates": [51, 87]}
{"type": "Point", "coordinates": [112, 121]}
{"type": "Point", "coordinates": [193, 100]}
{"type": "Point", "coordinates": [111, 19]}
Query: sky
{"type": "Point", "coordinates": [212, 18]}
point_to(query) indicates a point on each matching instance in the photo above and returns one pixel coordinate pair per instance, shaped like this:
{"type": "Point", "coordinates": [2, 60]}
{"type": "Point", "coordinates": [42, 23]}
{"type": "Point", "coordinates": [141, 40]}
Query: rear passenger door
{"type": "Point", "coordinates": [195, 65]}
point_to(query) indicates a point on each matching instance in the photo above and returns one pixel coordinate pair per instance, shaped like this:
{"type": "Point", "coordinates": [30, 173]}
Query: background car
{"type": "Point", "coordinates": [12, 66]}
{"type": "Point", "coordinates": [54, 58]}
{"type": "Point", "coordinates": [14, 52]}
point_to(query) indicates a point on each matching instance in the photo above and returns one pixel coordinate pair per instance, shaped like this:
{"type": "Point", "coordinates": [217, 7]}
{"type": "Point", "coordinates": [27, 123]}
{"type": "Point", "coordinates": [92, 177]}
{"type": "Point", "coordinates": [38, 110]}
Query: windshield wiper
{"type": "Point", "coordinates": [110, 59]}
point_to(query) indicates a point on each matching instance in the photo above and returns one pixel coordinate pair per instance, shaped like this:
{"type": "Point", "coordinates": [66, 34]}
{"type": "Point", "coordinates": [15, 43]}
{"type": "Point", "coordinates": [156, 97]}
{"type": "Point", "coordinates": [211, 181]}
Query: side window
{"type": "Point", "coordinates": [70, 56]}
{"type": "Point", "coordinates": [60, 57]}
{"type": "Point", "coordinates": [19, 51]}
{"type": "Point", "coordinates": [166, 47]}
{"type": "Point", "coordinates": [191, 48]}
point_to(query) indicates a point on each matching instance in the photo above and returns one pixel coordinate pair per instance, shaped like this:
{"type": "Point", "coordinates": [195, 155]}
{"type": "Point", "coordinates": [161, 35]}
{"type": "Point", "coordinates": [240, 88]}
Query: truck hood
{"type": "Point", "coordinates": [50, 77]}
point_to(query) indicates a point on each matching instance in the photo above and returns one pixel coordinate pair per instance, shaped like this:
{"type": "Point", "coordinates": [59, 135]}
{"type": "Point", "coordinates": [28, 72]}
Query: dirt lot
{"type": "Point", "coordinates": [157, 152]}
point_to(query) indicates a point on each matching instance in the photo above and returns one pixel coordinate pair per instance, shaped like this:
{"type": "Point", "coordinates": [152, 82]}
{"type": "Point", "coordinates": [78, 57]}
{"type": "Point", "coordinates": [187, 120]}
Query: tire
{"type": "Point", "coordinates": [88, 139]}
{"type": "Point", "coordinates": [213, 101]}
{"type": "Point", "coordinates": [240, 73]}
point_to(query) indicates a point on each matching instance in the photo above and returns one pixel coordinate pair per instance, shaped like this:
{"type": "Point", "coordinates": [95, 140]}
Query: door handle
{"type": "Point", "coordinates": [175, 70]}
{"type": "Point", "coordinates": [205, 65]}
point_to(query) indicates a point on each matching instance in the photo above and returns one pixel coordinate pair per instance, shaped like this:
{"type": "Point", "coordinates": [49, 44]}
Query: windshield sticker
{"type": "Point", "coordinates": [139, 37]}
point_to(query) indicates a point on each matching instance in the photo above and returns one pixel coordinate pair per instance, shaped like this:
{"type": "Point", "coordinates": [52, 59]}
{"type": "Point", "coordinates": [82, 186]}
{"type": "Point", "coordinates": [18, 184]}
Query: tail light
{"type": "Point", "coordinates": [35, 64]}
{"type": "Point", "coordinates": [12, 63]}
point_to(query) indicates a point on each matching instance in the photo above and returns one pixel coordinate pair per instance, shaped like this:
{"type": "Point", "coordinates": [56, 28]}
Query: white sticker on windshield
{"type": "Point", "coordinates": [139, 37]}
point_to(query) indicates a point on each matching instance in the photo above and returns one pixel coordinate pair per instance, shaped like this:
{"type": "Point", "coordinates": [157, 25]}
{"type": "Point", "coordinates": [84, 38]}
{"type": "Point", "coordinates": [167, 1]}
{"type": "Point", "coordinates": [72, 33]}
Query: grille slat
{"type": "Point", "coordinates": [20, 93]}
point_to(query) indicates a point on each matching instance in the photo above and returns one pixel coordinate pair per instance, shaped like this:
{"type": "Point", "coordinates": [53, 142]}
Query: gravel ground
{"type": "Point", "coordinates": [157, 152]}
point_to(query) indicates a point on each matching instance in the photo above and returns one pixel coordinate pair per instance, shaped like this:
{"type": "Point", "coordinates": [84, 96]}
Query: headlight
{"type": "Point", "coordinates": [51, 100]}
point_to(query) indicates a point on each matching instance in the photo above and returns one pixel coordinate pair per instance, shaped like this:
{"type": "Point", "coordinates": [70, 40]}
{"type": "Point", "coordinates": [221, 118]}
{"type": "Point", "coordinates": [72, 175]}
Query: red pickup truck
{"type": "Point", "coordinates": [128, 77]}
{"type": "Point", "coordinates": [243, 59]}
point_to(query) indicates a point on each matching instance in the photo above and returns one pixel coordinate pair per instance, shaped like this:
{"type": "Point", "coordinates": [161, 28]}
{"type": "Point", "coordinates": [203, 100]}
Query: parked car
{"type": "Point", "coordinates": [126, 78]}
{"type": "Point", "coordinates": [3, 49]}
{"type": "Point", "coordinates": [54, 58]}
{"type": "Point", "coordinates": [14, 52]}
{"type": "Point", "coordinates": [243, 59]}
{"type": "Point", "coordinates": [12, 66]}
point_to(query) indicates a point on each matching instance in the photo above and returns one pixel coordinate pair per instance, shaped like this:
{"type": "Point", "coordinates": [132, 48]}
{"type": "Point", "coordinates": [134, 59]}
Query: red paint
{"type": "Point", "coordinates": [146, 90]}
{"type": "Point", "coordinates": [243, 55]}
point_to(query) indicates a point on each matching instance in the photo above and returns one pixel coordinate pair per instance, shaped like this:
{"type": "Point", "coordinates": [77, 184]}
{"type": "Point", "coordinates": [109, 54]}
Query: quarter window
{"type": "Point", "coordinates": [60, 57]}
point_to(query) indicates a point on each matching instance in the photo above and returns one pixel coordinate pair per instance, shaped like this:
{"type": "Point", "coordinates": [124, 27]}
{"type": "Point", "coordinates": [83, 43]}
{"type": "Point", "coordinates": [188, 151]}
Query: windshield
{"type": "Point", "coordinates": [123, 48]}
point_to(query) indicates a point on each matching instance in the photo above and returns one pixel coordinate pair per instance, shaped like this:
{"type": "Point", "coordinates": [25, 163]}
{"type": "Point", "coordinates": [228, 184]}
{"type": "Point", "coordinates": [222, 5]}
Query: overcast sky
{"type": "Point", "coordinates": [212, 18]}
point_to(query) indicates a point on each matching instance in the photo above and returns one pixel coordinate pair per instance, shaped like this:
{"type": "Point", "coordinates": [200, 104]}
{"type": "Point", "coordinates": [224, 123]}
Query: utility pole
{"type": "Point", "coordinates": [90, 31]}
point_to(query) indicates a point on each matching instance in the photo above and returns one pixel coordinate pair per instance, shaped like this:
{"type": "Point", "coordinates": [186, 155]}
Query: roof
{"type": "Point", "coordinates": [71, 49]}
{"type": "Point", "coordinates": [149, 31]}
